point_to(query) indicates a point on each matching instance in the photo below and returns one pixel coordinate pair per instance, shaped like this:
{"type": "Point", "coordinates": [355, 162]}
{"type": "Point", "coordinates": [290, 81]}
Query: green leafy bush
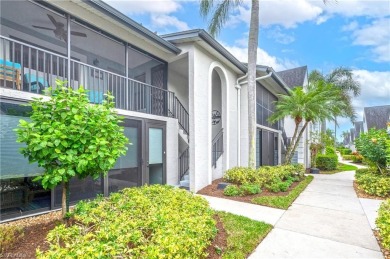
{"type": "Point", "coordinates": [69, 137]}
{"type": "Point", "coordinates": [147, 222]}
{"type": "Point", "coordinates": [372, 146]}
{"type": "Point", "coordinates": [348, 157]}
{"type": "Point", "coordinates": [327, 162]}
{"type": "Point", "coordinates": [9, 235]}
{"type": "Point", "coordinates": [232, 190]}
{"type": "Point", "coordinates": [250, 189]}
{"type": "Point", "coordinates": [330, 151]}
{"type": "Point", "coordinates": [383, 223]}
{"type": "Point", "coordinates": [346, 151]}
{"type": "Point", "coordinates": [240, 175]}
{"type": "Point", "coordinates": [372, 182]}
{"type": "Point", "coordinates": [274, 178]}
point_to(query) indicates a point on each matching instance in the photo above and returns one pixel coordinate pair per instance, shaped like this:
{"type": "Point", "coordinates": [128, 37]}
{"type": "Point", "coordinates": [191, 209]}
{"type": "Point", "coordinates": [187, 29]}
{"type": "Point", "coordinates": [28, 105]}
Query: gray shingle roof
{"type": "Point", "coordinates": [377, 116]}
{"type": "Point", "coordinates": [294, 77]}
{"type": "Point", "coordinates": [358, 128]}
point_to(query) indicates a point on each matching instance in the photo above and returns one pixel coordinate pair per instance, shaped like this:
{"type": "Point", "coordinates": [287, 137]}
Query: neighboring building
{"type": "Point", "coordinates": [183, 97]}
{"type": "Point", "coordinates": [376, 117]}
{"type": "Point", "coordinates": [293, 78]}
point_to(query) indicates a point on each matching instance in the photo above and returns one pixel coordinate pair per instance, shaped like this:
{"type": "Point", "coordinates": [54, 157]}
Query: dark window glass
{"type": "Point", "coordinates": [19, 194]}
{"type": "Point", "coordinates": [265, 106]}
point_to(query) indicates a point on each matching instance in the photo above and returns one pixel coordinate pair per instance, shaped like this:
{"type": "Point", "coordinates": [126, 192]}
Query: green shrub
{"type": "Point", "coordinates": [240, 175]}
{"type": "Point", "coordinates": [372, 182]}
{"type": "Point", "coordinates": [348, 157]}
{"type": "Point", "coordinates": [383, 223]}
{"type": "Point", "coordinates": [346, 151]}
{"type": "Point", "coordinates": [9, 235]}
{"type": "Point", "coordinates": [232, 190]}
{"type": "Point", "coordinates": [250, 189]}
{"type": "Point", "coordinates": [330, 151]}
{"type": "Point", "coordinates": [327, 162]}
{"type": "Point", "coordinates": [274, 178]}
{"type": "Point", "coordinates": [147, 222]}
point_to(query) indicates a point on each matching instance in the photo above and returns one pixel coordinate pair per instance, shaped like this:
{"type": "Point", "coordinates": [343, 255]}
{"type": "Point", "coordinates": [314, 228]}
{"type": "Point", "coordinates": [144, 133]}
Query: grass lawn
{"type": "Point", "coordinates": [340, 168]}
{"type": "Point", "coordinates": [243, 234]}
{"type": "Point", "coordinates": [283, 202]}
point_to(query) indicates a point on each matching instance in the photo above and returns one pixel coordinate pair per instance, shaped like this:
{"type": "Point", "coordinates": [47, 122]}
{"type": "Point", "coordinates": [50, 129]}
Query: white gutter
{"type": "Point", "coordinates": [238, 87]}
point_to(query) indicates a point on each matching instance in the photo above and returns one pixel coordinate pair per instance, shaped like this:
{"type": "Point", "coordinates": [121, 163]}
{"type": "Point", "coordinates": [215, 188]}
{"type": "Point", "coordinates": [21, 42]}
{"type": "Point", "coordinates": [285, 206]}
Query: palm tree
{"type": "Point", "coordinates": [341, 78]}
{"type": "Point", "coordinates": [219, 17]}
{"type": "Point", "coordinates": [320, 102]}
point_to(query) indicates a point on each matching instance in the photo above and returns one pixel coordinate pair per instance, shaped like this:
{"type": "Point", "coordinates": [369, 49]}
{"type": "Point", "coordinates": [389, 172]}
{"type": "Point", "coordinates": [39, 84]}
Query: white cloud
{"type": "Point", "coordinates": [287, 13]}
{"type": "Point", "coordinates": [164, 21]}
{"type": "Point", "coordinates": [353, 8]}
{"type": "Point", "coordinates": [144, 6]}
{"type": "Point", "coordinates": [377, 36]}
{"type": "Point", "coordinates": [263, 58]}
{"type": "Point", "coordinates": [277, 35]}
{"type": "Point", "coordinates": [350, 26]}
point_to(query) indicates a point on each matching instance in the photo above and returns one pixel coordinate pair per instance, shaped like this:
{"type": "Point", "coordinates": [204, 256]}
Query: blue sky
{"type": "Point", "coordinates": [349, 33]}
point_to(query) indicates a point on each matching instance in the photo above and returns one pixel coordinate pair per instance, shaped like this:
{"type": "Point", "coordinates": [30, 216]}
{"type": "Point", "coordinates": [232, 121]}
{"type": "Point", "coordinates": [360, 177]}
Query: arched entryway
{"type": "Point", "coordinates": [219, 121]}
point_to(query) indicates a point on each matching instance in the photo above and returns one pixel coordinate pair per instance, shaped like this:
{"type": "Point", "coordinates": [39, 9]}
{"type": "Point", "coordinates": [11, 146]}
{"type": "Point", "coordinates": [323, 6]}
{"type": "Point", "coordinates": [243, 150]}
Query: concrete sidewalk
{"type": "Point", "coordinates": [326, 221]}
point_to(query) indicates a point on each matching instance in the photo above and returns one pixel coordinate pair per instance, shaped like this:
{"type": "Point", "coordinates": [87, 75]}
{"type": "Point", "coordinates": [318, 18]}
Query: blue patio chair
{"type": "Point", "coordinates": [37, 84]}
{"type": "Point", "coordinates": [95, 96]}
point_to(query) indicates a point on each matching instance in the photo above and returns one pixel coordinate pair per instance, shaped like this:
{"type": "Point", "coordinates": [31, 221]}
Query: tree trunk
{"type": "Point", "coordinates": [335, 136]}
{"type": "Point", "coordinates": [298, 138]}
{"type": "Point", "coordinates": [65, 192]}
{"type": "Point", "coordinates": [288, 152]}
{"type": "Point", "coordinates": [252, 61]}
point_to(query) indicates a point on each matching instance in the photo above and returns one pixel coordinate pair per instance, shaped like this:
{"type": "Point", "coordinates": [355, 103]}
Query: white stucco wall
{"type": "Point", "coordinates": [178, 84]}
{"type": "Point", "coordinates": [201, 65]}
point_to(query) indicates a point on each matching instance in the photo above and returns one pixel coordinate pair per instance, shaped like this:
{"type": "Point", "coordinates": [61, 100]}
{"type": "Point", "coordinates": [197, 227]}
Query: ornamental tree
{"type": "Point", "coordinates": [68, 137]}
{"type": "Point", "coordinates": [372, 146]}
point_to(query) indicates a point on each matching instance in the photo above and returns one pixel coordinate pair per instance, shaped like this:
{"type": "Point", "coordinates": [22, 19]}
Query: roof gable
{"type": "Point", "coordinates": [377, 116]}
{"type": "Point", "coordinates": [294, 77]}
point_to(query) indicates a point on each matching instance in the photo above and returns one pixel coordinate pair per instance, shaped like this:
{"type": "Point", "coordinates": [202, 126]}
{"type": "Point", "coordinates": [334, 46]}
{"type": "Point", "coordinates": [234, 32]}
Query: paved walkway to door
{"type": "Point", "coordinates": [326, 221]}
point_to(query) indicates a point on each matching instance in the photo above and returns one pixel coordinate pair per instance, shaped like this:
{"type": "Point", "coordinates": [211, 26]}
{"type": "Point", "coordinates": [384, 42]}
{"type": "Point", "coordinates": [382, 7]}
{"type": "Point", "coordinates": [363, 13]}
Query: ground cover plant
{"type": "Point", "coordinates": [68, 137]}
{"type": "Point", "coordinates": [9, 235]}
{"type": "Point", "coordinates": [283, 202]}
{"type": "Point", "coordinates": [340, 168]}
{"type": "Point", "coordinates": [383, 223]}
{"type": "Point", "coordinates": [243, 234]}
{"type": "Point", "coordinates": [147, 222]}
{"type": "Point", "coordinates": [372, 182]}
{"type": "Point", "coordinates": [284, 183]}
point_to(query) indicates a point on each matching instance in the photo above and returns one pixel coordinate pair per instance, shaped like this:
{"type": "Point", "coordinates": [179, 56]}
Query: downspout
{"type": "Point", "coordinates": [238, 87]}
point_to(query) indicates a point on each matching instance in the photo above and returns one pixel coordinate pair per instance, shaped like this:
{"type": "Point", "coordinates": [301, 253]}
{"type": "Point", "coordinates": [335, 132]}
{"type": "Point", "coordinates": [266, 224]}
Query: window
{"type": "Point", "coordinates": [265, 106]}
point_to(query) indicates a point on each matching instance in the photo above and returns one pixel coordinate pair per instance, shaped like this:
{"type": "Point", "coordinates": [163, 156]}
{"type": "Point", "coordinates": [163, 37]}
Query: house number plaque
{"type": "Point", "coordinates": [215, 117]}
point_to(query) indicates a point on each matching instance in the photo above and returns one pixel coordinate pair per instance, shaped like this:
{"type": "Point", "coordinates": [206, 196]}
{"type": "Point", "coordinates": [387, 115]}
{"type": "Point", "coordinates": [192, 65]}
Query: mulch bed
{"type": "Point", "coordinates": [386, 252]}
{"type": "Point", "coordinates": [362, 194]}
{"type": "Point", "coordinates": [212, 190]}
{"type": "Point", "coordinates": [36, 229]}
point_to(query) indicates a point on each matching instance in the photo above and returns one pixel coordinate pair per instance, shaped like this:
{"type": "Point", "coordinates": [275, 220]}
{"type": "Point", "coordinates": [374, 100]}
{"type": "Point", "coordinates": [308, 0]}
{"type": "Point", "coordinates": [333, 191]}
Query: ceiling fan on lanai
{"type": "Point", "coordinates": [59, 30]}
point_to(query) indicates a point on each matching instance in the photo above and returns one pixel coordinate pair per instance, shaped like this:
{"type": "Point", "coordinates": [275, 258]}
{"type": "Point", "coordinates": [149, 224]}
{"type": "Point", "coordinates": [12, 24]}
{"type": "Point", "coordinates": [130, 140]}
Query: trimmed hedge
{"type": "Point", "coordinates": [327, 162]}
{"type": "Point", "coordinates": [372, 182]}
{"type": "Point", "coordinates": [274, 178]}
{"type": "Point", "coordinates": [147, 222]}
{"type": "Point", "coordinates": [346, 151]}
{"type": "Point", "coordinates": [348, 157]}
{"type": "Point", "coordinates": [330, 151]}
{"type": "Point", "coordinates": [383, 223]}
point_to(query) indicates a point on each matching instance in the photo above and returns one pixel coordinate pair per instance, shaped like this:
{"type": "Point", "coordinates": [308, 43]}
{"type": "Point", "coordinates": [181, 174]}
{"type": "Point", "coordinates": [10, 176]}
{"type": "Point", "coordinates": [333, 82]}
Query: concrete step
{"type": "Point", "coordinates": [185, 183]}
